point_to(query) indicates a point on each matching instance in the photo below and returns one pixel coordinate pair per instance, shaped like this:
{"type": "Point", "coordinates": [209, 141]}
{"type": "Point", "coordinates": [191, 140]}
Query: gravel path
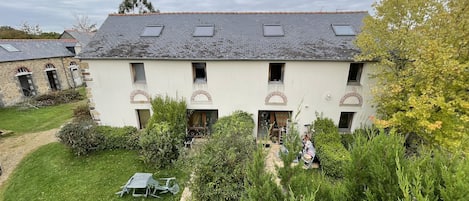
{"type": "Point", "coordinates": [14, 149]}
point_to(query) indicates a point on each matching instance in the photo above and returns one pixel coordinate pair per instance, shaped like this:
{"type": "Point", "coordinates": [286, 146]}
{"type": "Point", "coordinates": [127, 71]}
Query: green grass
{"type": "Point", "coordinates": [34, 120]}
{"type": "Point", "coordinates": [54, 173]}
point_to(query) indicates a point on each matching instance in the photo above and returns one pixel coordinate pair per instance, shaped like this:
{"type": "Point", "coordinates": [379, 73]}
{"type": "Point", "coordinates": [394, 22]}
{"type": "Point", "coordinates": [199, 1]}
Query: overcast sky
{"type": "Point", "coordinates": [57, 15]}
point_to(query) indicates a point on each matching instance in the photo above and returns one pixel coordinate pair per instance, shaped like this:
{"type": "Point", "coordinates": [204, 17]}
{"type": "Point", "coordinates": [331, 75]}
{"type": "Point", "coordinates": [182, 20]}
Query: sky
{"type": "Point", "coordinates": [58, 15]}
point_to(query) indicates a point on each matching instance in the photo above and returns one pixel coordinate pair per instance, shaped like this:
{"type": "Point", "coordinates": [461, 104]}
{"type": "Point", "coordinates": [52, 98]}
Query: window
{"type": "Point", "coordinates": [138, 72]}
{"type": "Point", "coordinates": [153, 30]}
{"type": "Point", "coordinates": [343, 30]}
{"type": "Point", "coordinates": [199, 72]}
{"type": "Point", "coordinates": [26, 81]}
{"type": "Point", "coordinates": [345, 121]}
{"type": "Point", "coordinates": [143, 117]}
{"type": "Point", "coordinates": [273, 30]}
{"type": "Point", "coordinates": [276, 72]}
{"type": "Point", "coordinates": [204, 31]}
{"type": "Point", "coordinates": [354, 73]}
{"type": "Point", "coordinates": [9, 48]}
{"type": "Point", "coordinates": [51, 74]}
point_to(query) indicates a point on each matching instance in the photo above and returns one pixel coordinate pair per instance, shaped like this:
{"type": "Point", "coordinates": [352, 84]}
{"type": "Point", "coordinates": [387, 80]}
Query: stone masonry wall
{"type": "Point", "coordinates": [10, 88]}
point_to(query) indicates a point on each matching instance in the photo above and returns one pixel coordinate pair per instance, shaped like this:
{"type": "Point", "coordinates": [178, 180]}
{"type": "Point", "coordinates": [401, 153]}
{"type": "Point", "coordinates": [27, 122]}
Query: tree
{"type": "Point", "coordinates": [422, 53]}
{"type": "Point", "coordinates": [140, 6]}
{"type": "Point", "coordinates": [83, 24]}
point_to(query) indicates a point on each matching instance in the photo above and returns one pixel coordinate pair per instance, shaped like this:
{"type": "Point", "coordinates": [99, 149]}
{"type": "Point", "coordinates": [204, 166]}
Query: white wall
{"type": "Point", "coordinates": [233, 85]}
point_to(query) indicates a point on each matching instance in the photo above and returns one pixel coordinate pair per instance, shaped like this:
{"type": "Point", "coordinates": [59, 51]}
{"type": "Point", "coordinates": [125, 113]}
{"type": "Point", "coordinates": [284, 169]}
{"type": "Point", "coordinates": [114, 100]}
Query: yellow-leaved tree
{"type": "Point", "coordinates": [421, 49]}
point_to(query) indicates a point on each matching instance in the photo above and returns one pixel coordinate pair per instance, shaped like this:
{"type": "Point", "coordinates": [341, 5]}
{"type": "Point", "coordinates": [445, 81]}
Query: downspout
{"type": "Point", "coordinates": [65, 72]}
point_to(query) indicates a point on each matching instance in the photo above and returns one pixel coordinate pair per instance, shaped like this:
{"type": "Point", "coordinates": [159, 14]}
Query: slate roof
{"type": "Point", "coordinates": [238, 36]}
{"type": "Point", "coordinates": [82, 37]}
{"type": "Point", "coordinates": [36, 49]}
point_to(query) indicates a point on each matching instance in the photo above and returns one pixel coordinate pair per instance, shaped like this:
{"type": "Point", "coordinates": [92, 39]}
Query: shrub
{"type": "Point", "coordinates": [306, 184]}
{"type": "Point", "coordinates": [220, 168]}
{"type": "Point", "coordinates": [82, 113]}
{"type": "Point", "coordinates": [162, 140]}
{"type": "Point", "coordinates": [58, 97]}
{"type": "Point", "coordinates": [159, 146]}
{"type": "Point", "coordinates": [259, 183]}
{"type": "Point", "coordinates": [119, 138]}
{"type": "Point", "coordinates": [171, 111]}
{"type": "Point", "coordinates": [332, 154]}
{"type": "Point", "coordinates": [81, 137]}
{"type": "Point", "coordinates": [373, 167]}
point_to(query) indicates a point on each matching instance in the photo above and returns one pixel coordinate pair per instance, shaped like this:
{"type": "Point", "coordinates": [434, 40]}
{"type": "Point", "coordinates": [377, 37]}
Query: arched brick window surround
{"type": "Point", "coordinates": [139, 92]}
{"type": "Point", "coordinates": [201, 92]}
{"type": "Point", "coordinates": [276, 93]}
{"type": "Point", "coordinates": [349, 95]}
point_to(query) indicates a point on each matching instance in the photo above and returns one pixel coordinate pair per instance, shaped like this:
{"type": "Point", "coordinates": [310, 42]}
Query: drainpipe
{"type": "Point", "coordinates": [66, 76]}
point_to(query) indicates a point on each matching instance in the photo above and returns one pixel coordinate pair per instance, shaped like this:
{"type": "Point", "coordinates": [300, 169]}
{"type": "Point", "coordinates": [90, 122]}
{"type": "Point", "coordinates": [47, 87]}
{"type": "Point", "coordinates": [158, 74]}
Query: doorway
{"type": "Point", "coordinates": [271, 124]}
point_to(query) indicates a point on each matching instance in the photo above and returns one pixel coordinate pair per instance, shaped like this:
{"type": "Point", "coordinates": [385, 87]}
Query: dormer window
{"type": "Point", "coordinates": [204, 31]}
{"type": "Point", "coordinates": [274, 30]}
{"type": "Point", "coordinates": [152, 30]}
{"type": "Point", "coordinates": [343, 30]}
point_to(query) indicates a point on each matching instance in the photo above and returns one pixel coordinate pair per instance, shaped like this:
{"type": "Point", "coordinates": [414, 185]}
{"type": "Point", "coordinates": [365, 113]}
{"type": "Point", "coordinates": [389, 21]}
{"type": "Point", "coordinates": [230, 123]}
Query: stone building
{"type": "Point", "coordinates": [30, 67]}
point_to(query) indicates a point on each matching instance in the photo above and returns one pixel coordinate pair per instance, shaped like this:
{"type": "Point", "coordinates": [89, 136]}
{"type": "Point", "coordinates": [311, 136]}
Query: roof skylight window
{"type": "Point", "coordinates": [152, 30]}
{"type": "Point", "coordinates": [343, 30]}
{"type": "Point", "coordinates": [9, 48]}
{"type": "Point", "coordinates": [273, 30]}
{"type": "Point", "coordinates": [204, 31]}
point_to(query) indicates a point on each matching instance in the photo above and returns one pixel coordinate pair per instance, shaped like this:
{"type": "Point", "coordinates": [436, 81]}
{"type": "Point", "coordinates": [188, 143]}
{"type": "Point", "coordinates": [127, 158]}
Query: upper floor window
{"type": "Point", "coordinates": [276, 71]}
{"type": "Point", "coordinates": [199, 72]}
{"type": "Point", "coordinates": [345, 121]}
{"type": "Point", "coordinates": [138, 72]}
{"type": "Point", "coordinates": [354, 73]}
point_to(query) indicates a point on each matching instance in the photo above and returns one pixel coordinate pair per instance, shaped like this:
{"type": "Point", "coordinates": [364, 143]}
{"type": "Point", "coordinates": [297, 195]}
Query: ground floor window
{"type": "Point", "coordinates": [200, 121]}
{"type": "Point", "coordinates": [345, 121]}
{"type": "Point", "coordinates": [53, 80]}
{"type": "Point", "coordinates": [143, 117]}
{"type": "Point", "coordinates": [271, 124]}
{"type": "Point", "coordinates": [26, 83]}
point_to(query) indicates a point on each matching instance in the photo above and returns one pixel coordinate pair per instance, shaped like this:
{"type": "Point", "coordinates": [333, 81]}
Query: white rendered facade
{"type": "Point", "coordinates": [307, 86]}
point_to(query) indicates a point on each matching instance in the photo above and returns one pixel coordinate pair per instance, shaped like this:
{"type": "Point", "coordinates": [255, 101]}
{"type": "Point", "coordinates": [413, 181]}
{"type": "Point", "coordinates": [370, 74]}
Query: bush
{"type": "Point", "coordinates": [306, 183]}
{"type": "Point", "coordinates": [164, 136]}
{"type": "Point", "coordinates": [159, 146]}
{"type": "Point", "coordinates": [332, 154]}
{"type": "Point", "coordinates": [58, 97]}
{"type": "Point", "coordinates": [220, 168]}
{"type": "Point", "coordinates": [260, 184]}
{"type": "Point", "coordinates": [119, 138]}
{"type": "Point", "coordinates": [373, 167]}
{"type": "Point", "coordinates": [82, 113]}
{"type": "Point", "coordinates": [81, 137]}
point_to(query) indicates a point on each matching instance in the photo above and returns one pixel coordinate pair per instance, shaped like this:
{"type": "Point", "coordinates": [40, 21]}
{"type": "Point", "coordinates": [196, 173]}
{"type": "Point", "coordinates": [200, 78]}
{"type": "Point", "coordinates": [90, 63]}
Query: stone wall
{"type": "Point", "coordinates": [10, 87]}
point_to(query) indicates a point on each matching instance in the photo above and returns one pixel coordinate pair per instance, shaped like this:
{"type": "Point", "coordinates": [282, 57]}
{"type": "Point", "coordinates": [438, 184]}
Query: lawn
{"type": "Point", "coordinates": [34, 120]}
{"type": "Point", "coordinates": [54, 173]}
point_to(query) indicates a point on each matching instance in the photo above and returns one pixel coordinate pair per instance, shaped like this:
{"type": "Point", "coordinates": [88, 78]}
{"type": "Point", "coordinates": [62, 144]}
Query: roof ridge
{"type": "Point", "coordinates": [37, 40]}
{"type": "Point", "coordinates": [242, 12]}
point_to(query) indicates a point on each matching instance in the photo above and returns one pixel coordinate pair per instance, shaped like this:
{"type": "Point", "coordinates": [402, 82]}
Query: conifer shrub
{"type": "Point", "coordinates": [260, 184]}
{"type": "Point", "coordinates": [220, 165]}
{"type": "Point", "coordinates": [371, 174]}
